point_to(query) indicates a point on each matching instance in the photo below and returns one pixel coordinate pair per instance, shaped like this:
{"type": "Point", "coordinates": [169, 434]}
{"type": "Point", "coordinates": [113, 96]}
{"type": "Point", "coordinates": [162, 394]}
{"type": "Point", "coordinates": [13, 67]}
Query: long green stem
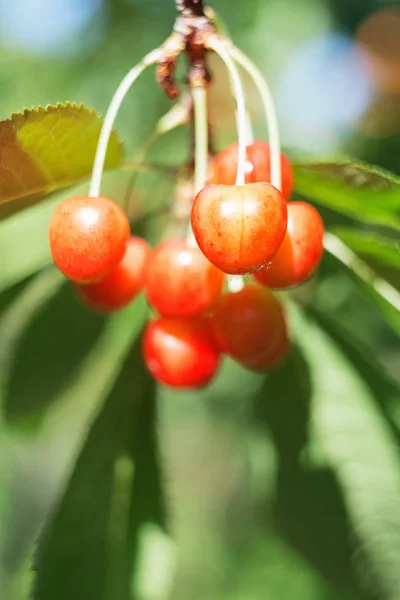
{"type": "Point", "coordinates": [224, 52]}
{"type": "Point", "coordinates": [235, 283]}
{"type": "Point", "coordinates": [201, 138]}
{"type": "Point", "coordinates": [199, 96]}
{"type": "Point", "coordinates": [111, 115]}
{"type": "Point", "coordinates": [270, 113]}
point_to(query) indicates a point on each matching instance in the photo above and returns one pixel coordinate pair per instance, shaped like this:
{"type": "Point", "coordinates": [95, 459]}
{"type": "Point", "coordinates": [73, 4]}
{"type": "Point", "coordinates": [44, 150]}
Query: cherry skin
{"type": "Point", "coordinates": [239, 228]}
{"type": "Point", "coordinates": [249, 325]}
{"type": "Point", "coordinates": [124, 282]}
{"type": "Point", "coordinates": [88, 237]}
{"type": "Point", "coordinates": [272, 358]}
{"type": "Point", "coordinates": [301, 251]}
{"type": "Point", "coordinates": [258, 167]}
{"type": "Point", "coordinates": [180, 281]}
{"type": "Point", "coordinates": [181, 353]}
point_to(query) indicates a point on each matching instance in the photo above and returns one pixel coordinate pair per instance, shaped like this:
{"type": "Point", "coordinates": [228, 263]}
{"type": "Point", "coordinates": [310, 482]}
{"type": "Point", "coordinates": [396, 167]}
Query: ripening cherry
{"type": "Point", "coordinates": [239, 228]}
{"type": "Point", "coordinates": [88, 237]}
{"type": "Point", "coordinates": [124, 282]}
{"type": "Point", "coordinates": [180, 281]}
{"type": "Point", "coordinates": [301, 251]}
{"type": "Point", "coordinates": [249, 325]}
{"type": "Point", "coordinates": [181, 353]}
{"type": "Point", "coordinates": [272, 357]}
{"type": "Point", "coordinates": [258, 167]}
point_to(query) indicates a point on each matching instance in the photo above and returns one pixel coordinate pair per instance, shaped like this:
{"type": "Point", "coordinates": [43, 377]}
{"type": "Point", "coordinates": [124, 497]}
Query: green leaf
{"type": "Point", "coordinates": [34, 380]}
{"type": "Point", "coordinates": [385, 297]}
{"type": "Point", "coordinates": [360, 447]}
{"type": "Point", "coordinates": [24, 244]}
{"type": "Point", "coordinates": [358, 190]}
{"type": "Point", "coordinates": [17, 317]}
{"type": "Point", "coordinates": [385, 389]}
{"type": "Point", "coordinates": [46, 149]}
{"type": "Point", "coordinates": [41, 459]}
{"type": "Point", "coordinates": [380, 253]}
{"type": "Point", "coordinates": [381, 250]}
{"type": "Point", "coordinates": [272, 570]}
{"type": "Point", "coordinates": [308, 502]}
{"type": "Point", "coordinates": [89, 548]}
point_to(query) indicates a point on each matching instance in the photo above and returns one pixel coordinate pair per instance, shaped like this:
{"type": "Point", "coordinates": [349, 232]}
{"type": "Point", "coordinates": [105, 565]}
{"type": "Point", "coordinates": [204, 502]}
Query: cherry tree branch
{"type": "Point", "coordinates": [190, 8]}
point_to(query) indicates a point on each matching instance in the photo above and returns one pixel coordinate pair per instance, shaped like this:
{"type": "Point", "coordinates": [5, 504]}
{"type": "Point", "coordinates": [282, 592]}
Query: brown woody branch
{"type": "Point", "coordinates": [190, 8]}
{"type": "Point", "coordinates": [191, 29]}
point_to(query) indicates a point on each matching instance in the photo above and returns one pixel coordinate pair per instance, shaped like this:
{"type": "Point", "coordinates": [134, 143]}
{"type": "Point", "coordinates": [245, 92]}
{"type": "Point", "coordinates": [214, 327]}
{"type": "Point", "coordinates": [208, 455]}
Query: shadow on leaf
{"type": "Point", "coordinates": [48, 354]}
{"type": "Point", "coordinates": [308, 507]}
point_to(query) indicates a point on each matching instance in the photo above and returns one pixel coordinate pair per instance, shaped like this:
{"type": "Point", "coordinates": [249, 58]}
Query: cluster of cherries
{"type": "Point", "coordinates": [238, 229]}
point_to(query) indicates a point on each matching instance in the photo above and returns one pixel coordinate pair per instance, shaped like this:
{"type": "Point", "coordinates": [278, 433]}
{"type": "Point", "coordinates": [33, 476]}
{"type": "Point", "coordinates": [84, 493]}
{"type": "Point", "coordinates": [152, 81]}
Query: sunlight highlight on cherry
{"type": "Point", "coordinates": [239, 228]}
{"type": "Point", "coordinates": [88, 237]}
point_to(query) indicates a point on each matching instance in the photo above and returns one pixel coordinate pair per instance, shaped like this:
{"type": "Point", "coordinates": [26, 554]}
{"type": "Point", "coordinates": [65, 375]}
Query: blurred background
{"type": "Point", "coordinates": [334, 68]}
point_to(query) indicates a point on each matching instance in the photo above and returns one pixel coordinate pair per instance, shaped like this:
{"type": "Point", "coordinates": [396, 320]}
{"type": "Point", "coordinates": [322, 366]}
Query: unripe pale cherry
{"type": "Point", "coordinates": [223, 168]}
{"type": "Point", "coordinates": [88, 237]}
{"type": "Point", "coordinates": [124, 282]}
{"type": "Point", "coordinates": [249, 325]}
{"type": "Point", "coordinates": [239, 228]}
{"type": "Point", "coordinates": [181, 353]}
{"type": "Point", "coordinates": [301, 251]}
{"type": "Point", "coordinates": [180, 281]}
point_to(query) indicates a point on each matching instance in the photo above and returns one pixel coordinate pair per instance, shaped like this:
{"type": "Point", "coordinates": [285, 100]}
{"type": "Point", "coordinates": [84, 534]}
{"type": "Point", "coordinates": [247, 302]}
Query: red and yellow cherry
{"type": "Point", "coordinates": [181, 353]}
{"type": "Point", "coordinates": [249, 325]}
{"type": "Point", "coordinates": [88, 237]}
{"type": "Point", "coordinates": [124, 282]}
{"type": "Point", "coordinates": [301, 250]}
{"type": "Point", "coordinates": [239, 228]}
{"type": "Point", "coordinates": [180, 281]}
{"type": "Point", "coordinates": [258, 167]}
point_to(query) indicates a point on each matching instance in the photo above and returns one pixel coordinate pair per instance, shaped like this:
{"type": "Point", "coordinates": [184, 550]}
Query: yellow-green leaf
{"type": "Point", "coordinates": [46, 149]}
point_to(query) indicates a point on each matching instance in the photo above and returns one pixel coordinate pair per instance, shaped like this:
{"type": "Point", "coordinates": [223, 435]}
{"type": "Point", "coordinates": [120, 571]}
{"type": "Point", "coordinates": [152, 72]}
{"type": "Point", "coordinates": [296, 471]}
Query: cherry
{"type": "Point", "coordinates": [123, 283]}
{"type": "Point", "coordinates": [258, 168]}
{"type": "Point", "coordinates": [88, 237]}
{"type": "Point", "coordinates": [181, 353]}
{"type": "Point", "coordinates": [300, 252]}
{"type": "Point", "coordinates": [272, 358]}
{"type": "Point", "coordinates": [239, 228]}
{"type": "Point", "coordinates": [249, 325]}
{"type": "Point", "coordinates": [180, 281]}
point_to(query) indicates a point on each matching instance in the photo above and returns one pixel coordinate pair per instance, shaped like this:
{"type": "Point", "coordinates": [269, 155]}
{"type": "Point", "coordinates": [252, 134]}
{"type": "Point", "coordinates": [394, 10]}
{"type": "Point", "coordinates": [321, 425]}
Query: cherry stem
{"type": "Point", "coordinates": [341, 252]}
{"type": "Point", "coordinates": [235, 283]}
{"type": "Point", "coordinates": [270, 113]}
{"type": "Point", "coordinates": [111, 115]}
{"type": "Point", "coordinates": [249, 130]}
{"type": "Point", "coordinates": [223, 51]}
{"type": "Point", "coordinates": [201, 138]}
{"type": "Point", "coordinates": [199, 95]}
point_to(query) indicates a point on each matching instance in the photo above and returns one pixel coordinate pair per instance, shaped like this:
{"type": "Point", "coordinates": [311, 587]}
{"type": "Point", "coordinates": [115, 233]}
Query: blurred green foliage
{"type": "Point", "coordinates": [279, 487]}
